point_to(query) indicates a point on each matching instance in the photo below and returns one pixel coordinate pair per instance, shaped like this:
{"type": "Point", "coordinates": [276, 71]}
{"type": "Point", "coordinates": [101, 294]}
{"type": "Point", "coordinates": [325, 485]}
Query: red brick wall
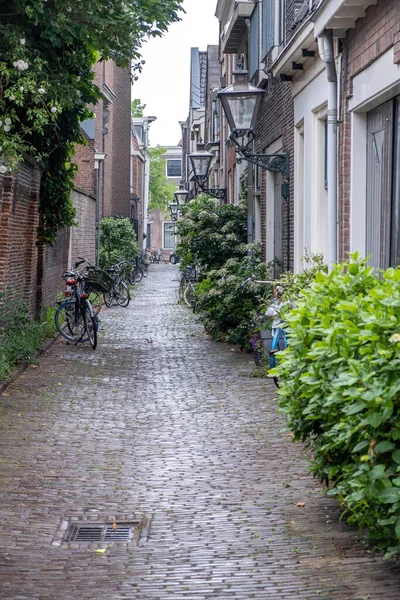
{"type": "Point", "coordinates": [156, 221]}
{"type": "Point", "coordinates": [275, 120]}
{"type": "Point", "coordinates": [55, 263]}
{"type": "Point", "coordinates": [85, 178]}
{"type": "Point", "coordinates": [137, 183]}
{"type": "Point", "coordinates": [373, 35]}
{"type": "Point", "coordinates": [83, 237]}
{"type": "Point", "coordinates": [19, 219]}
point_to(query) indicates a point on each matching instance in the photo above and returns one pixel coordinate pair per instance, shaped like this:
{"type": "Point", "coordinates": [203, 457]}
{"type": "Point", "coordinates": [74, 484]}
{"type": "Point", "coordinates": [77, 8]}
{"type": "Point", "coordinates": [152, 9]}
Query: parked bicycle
{"type": "Point", "coordinates": [135, 270]}
{"type": "Point", "coordinates": [187, 286]}
{"type": "Point", "coordinates": [156, 256]}
{"type": "Point", "coordinates": [118, 292]}
{"type": "Point", "coordinates": [278, 332]}
{"type": "Point", "coordinates": [75, 318]}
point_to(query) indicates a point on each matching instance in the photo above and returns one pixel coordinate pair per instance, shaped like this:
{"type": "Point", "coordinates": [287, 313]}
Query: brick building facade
{"type": "Point", "coordinates": [31, 272]}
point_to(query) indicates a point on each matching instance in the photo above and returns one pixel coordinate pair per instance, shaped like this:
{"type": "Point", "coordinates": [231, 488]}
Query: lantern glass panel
{"type": "Point", "coordinates": [242, 110]}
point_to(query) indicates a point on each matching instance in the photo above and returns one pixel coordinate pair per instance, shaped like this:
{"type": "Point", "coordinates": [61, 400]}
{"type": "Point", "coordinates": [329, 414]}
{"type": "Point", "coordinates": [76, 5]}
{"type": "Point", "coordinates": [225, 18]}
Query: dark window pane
{"type": "Point", "coordinates": [174, 168]}
{"type": "Point", "coordinates": [169, 236]}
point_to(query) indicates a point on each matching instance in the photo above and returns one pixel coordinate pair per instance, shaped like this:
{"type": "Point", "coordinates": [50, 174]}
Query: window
{"type": "Point", "coordinates": [174, 168]}
{"type": "Point", "coordinates": [148, 236]}
{"type": "Point", "coordinates": [268, 21]}
{"type": "Point", "coordinates": [253, 45]}
{"type": "Point", "coordinates": [169, 235]}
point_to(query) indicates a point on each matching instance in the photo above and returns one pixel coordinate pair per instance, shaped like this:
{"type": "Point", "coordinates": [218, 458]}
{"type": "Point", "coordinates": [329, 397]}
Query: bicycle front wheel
{"type": "Point", "coordinates": [189, 296]}
{"type": "Point", "coordinates": [108, 297]}
{"type": "Point", "coordinates": [90, 326]}
{"type": "Point", "coordinates": [138, 275]}
{"type": "Point", "coordinates": [122, 296]}
{"type": "Point", "coordinates": [95, 301]}
{"type": "Point", "coordinates": [69, 322]}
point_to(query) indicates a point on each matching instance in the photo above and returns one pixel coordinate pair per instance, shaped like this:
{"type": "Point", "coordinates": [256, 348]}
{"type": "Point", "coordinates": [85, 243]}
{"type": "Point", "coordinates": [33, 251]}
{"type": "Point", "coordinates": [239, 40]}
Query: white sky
{"type": "Point", "coordinates": [163, 84]}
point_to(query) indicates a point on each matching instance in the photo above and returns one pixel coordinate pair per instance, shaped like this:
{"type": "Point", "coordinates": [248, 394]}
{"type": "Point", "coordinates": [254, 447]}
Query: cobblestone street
{"type": "Point", "coordinates": [162, 425]}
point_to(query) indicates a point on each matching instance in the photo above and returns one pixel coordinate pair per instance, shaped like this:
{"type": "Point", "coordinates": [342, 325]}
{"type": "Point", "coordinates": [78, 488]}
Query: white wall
{"type": "Point", "coordinates": [373, 86]}
{"type": "Point", "coordinates": [310, 97]}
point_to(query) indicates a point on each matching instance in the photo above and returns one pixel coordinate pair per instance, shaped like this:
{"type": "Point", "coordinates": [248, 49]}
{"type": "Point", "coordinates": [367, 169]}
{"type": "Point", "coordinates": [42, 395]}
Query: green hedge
{"type": "Point", "coordinates": [340, 389]}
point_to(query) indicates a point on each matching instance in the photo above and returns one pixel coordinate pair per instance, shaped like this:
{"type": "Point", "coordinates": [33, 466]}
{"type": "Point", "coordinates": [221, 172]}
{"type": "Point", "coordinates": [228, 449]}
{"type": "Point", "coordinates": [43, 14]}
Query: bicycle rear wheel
{"type": "Point", "coordinates": [145, 269]}
{"type": "Point", "coordinates": [122, 295]}
{"type": "Point", "coordinates": [69, 322]}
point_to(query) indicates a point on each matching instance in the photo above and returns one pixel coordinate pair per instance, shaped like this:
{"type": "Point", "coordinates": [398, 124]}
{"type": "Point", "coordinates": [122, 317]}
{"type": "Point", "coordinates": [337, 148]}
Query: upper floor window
{"type": "Point", "coordinates": [273, 24]}
{"type": "Point", "coordinates": [174, 168]}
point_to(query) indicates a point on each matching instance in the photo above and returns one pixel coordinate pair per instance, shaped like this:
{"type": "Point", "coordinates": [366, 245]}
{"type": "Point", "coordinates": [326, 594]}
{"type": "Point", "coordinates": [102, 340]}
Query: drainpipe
{"type": "Point", "coordinates": [325, 46]}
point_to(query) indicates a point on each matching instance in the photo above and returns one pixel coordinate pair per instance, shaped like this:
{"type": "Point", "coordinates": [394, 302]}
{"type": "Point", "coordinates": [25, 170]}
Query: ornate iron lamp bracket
{"type": "Point", "coordinates": [218, 193]}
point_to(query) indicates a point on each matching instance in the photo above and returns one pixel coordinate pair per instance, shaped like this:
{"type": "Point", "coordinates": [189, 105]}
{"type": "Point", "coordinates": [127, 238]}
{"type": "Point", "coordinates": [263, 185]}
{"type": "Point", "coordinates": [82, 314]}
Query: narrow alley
{"type": "Point", "coordinates": [166, 430]}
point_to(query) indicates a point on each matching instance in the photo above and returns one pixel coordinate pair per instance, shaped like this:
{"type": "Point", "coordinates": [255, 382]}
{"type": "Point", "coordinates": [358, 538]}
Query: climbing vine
{"type": "Point", "coordinates": [47, 52]}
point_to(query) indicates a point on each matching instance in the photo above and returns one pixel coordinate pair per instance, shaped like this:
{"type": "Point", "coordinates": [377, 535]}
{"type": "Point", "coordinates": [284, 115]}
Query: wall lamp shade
{"type": "Point", "coordinates": [173, 207]}
{"type": "Point", "coordinates": [181, 196]}
{"type": "Point", "coordinates": [241, 102]}
{"type": "Point", "coordinates": [201, 162]}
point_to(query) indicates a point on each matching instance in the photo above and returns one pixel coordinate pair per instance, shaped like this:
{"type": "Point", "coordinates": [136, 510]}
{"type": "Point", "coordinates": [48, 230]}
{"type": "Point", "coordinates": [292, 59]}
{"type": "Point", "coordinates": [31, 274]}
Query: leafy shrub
{"type": "Point", "coordinates": [20, 337]}
{"type": "Point", "coordinates": [117, 241]}
{"type": "Point", "coordinates": [226, 307]}
{"type": "Point", "coordinates": [340, 389]}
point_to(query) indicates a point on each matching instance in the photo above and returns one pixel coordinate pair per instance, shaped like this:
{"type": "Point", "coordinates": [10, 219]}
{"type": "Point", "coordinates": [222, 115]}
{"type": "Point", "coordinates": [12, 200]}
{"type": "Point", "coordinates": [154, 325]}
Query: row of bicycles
{"type": "Point", "coordinates": [88, 286]}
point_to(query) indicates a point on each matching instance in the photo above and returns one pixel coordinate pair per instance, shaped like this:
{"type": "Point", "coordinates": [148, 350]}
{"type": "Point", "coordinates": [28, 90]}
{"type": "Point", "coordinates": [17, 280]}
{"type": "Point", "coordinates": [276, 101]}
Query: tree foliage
{"type": "Point", "coordinates": [137, 108]}
{"type": "Point", "coordinates": [47, 52]}
{"type": "Point", "coordinates": [161, 190]}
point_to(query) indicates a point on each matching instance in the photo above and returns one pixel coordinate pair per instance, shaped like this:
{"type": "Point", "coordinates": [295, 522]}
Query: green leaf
{"type": "Point", "coordinates": [396, 456]}
{"type": "Point", "coordinates": [355, 408]}
{"type": "Point", "coordinates": [375, 419]}
{"type": "Point", "coordinates": [389, 495]}
{"type": "Point", "coordinates": [384, 446]}
{"type": "Point", "coordinates": [361, 445]}
{"type": "Point", "coordinates": [397, 529]}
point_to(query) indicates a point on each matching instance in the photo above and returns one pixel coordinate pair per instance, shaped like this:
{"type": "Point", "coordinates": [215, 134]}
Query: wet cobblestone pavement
{"type": "Point", "coordinates": [161, 424]}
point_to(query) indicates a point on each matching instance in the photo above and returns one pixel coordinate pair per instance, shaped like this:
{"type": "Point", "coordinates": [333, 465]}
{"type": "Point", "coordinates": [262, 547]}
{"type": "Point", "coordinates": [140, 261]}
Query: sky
{"type": "Point", "coordinates": [163, 85]}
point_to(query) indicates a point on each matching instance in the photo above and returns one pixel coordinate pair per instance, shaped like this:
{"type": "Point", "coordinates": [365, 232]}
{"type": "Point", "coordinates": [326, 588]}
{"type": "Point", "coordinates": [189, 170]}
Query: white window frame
{"type": "Point", "coordinates": [372, 87]}
{"type": "Point", "coordinates": [166, 168]}
{"type": "Point", "coordinates": [164, 236]}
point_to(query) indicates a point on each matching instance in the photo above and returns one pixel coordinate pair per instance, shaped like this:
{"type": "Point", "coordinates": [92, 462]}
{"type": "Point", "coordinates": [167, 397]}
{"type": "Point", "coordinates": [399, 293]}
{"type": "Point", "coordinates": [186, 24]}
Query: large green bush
{"type": "Point", "coordinates": [210, 235]}
{"type": "Point", "coordinates": [226, 307]}
{"type": "Point", "coordinates": [340, 389]}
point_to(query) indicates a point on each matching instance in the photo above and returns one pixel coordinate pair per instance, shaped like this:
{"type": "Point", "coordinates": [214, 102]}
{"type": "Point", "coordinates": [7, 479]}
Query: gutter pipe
{"type": "Point", "coordinates": [325, 47]}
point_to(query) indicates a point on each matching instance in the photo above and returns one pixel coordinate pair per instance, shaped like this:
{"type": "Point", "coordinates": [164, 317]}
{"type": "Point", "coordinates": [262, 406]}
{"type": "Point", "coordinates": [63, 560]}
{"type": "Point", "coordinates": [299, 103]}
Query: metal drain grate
{"type": "Point", "coordinates": [107, 532]}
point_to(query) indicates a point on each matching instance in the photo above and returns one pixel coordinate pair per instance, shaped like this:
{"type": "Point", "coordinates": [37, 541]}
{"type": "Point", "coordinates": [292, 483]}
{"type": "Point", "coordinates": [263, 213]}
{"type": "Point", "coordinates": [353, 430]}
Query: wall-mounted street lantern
{"type": "Point", "coordinates": [174, 209]}
{"type": "Point", "coordinates": [201, 162]}
{"type": "Point", "coordinates": [182, 197]}
{"type": "Point", "coordinates": [241, 102]}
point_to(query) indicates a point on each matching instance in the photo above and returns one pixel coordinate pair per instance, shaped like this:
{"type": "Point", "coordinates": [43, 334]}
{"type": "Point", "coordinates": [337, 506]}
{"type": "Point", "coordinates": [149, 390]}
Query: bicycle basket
{"type": "Point", "coordinates": [190, 274]}
{"type": "Point", "coordinates": [98, 280]}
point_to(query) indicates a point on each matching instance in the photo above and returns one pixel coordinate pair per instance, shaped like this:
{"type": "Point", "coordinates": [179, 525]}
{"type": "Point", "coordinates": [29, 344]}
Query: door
{"type": "Point", "coordinates": [380, 151]}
